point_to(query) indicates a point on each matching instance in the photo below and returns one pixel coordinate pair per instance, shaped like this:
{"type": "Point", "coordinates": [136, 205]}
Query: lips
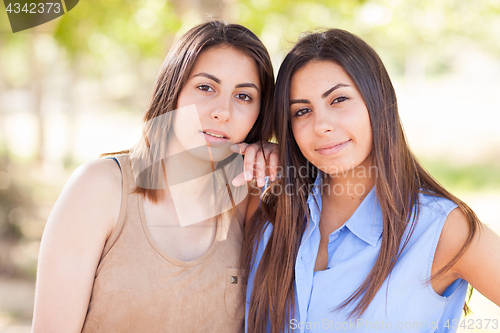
{"type": "Point", "coordinates": [332, 148]}
{"type": "Point", "coordinates": [214, 136]}
{"type": "Point", "coordinates": [216, 133]}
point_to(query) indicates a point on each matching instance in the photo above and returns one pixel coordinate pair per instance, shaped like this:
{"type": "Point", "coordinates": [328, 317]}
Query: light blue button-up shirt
{"type": "Point", "coordinates": [405, 302]}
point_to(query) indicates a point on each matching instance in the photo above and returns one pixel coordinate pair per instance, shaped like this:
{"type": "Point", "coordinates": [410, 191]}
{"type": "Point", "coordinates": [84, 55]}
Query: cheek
{"type": "Point", "coordinates": [176, 122]}
{"type": "Point", "coordinates": [364, 133]}
{"type": "Point", "coordinates": [370, 141]}
{"type": "Point", "coordinates": [252, 118]}
{"type": "Point", "coordinates": [179, 127]}
{"type": "Point", "coordinates": [301, 137]}
{"type": "Point", "coordinates": [185, 125]}
{"type": "Point", "coordinates": [182, 99]}
{"type": "Point", "coordinates": [246, 120]}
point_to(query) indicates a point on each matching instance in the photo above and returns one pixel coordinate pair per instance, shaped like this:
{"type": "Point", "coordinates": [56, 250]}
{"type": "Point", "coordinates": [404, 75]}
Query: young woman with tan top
{"type": "Point", "coordinates": [150, 240]}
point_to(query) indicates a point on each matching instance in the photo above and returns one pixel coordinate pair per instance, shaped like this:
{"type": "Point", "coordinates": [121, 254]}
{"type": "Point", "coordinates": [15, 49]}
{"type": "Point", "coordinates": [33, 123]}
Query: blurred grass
{"type": "Point", "coordinates": [465, 178]}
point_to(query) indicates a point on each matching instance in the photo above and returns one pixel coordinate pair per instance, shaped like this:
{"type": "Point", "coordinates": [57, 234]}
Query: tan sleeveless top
{"type": "Point", "coordinates": [139, 288]}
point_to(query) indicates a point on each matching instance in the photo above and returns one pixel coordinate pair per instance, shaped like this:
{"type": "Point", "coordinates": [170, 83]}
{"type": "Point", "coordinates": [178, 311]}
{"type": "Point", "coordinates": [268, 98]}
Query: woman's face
{"type": "Point", "coordinates": [219, 103]}
{"type": "Point", "coordinates": [330, 121]}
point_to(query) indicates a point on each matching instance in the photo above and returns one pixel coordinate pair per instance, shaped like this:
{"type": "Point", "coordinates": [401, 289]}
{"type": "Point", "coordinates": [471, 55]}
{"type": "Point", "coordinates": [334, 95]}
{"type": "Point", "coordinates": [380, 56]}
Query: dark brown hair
{"type": "Point", "coordinates": [400, 179]}
{"type": "Point", "coordinates": [171, 79]}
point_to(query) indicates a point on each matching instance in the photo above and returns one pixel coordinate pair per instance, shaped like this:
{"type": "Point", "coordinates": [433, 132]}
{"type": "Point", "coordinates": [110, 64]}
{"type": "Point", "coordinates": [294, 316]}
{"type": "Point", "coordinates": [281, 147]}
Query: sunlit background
{"type": "Point", "coordinates": [77, 87]}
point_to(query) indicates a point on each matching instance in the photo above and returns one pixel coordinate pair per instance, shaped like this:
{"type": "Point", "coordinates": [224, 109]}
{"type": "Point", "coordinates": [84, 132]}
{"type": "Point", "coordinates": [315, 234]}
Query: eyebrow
{"type": "Point", "coordinates": [329, 91]}
{"type": "Point", "coordinates": [299, 101]}
{"type": "Point", "coordinates": [324, 95]}
{"type": "Point", "coordinates": [247, 85]}
{"type": "Point", "coordinates": [240, 85]}
{"type": "Point", "coordinates": [209, 76]}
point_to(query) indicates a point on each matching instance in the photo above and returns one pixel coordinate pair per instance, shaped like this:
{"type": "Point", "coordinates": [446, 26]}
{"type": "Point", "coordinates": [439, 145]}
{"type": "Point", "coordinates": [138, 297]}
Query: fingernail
{"type": "Point", "coordinates": [260, 182]}
{"type": "Point", "coordinates": [248, 176]}
{"type": "Point", "coordinates": [273, 178]}
{"type": "Point", "coordinates": [235, 148]}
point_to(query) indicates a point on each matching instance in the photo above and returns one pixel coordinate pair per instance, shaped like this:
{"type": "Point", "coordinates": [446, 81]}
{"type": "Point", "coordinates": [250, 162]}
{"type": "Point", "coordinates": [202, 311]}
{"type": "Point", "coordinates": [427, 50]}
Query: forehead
{"type": "Point", "coordinates": [318, 76]}
{"type": "Point", "coordinates": [227, 60]}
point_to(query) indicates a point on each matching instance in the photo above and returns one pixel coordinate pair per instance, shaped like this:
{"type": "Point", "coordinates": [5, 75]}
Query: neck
{"type": "Point", "coordinates": [349, 188]}
{"type": "Point", "coordinates": [186, 164]}
{"type": "Point", "coordinates": [188, 177]}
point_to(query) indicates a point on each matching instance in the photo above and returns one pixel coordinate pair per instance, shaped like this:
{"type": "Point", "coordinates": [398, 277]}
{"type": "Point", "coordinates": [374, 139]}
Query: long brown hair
{"type": "Point", "coordinates": [171, 79]}
{"type": "Point", "coordinates": [400, 179]}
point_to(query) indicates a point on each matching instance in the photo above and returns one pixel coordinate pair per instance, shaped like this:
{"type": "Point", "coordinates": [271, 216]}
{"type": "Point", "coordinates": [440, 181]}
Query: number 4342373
{"type": "Point", "coordinates": [472, 324]}
{"type": "Point", "coordinates": [34, 8]}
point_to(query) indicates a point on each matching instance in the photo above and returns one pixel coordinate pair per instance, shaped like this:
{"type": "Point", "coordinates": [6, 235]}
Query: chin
{"type": "Point", "coordinates": [212, 153]}
{"type": "Point", "coordinates": [337, 169]}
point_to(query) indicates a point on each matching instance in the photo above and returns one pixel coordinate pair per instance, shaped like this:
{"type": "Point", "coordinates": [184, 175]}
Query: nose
{"type": "Point", "coordinates": [222, 109]}
{"type": "Point", "coordinates": [323, 122]}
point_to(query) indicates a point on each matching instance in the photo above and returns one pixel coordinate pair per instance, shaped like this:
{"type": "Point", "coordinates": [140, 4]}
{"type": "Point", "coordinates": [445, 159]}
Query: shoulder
{"type": "Point", "coordinates": [433, 204]}
{"type": "Point", "coordinates": [97, 171]}
{"type": "Point", "coordinates": [93, 191]}
{"type": "Point", "coordinates": [430, 215]}
{"type": "Point", "coordinates": [478, 263]}
{"type": "Point", "coordinates": [453, 236]}
{"type": "Point", "coordinates": [455, 232]}
{"type": "Point", "coordinates": [447, 220]}
{"type": "Point", "coordinates": [98, 177]}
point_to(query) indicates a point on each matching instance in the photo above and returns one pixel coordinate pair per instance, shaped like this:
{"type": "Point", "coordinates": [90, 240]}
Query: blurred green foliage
{"type": "Point", "coordinates": [464, 178]}
{"type": "Point", "coordinates": [395, 28]}
{"type": "Point", "coordinates": [135, 26]}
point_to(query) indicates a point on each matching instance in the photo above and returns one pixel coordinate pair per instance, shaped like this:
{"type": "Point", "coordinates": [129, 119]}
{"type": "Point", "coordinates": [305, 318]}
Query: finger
{"type": "Point", "coordinates": [239, 147]}
{"type": "Point", "coordinates": [268, 148]}
{"type": "Point", "coordinates": [271, 157]}
{"type": "Point", "coordinates": [260, 168]}
{"type": "Point", "coordinates": [273, 165]}
{"type": "Point", "coordinates": [239, 180]}
{"type": "Point", "coordinates": [249, 161]}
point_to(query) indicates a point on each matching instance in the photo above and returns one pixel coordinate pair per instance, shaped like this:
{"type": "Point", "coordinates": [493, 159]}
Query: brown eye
{"type": "Point", "coordinates": [302, 112]}
{"type": "Point", "coordinates": [244, 97]}
{"type": "Point", "coordinates": [205, 87]}
{"type": "Point", "coordinates": [339, 99]}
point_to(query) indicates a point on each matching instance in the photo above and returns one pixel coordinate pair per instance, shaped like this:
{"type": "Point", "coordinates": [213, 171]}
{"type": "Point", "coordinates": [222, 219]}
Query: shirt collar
{"type": "Point", "coordinates": [314, 204]}
{"type": "Point", "coordinates": [366, 222]}
{"type": "Point", "coordinates": [314, 199]}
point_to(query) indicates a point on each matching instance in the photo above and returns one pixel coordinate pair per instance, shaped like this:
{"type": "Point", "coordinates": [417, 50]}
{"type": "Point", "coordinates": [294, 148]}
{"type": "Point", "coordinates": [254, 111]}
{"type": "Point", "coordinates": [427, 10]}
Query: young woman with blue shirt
{"type": "Point", "coordinates": [356, 235]}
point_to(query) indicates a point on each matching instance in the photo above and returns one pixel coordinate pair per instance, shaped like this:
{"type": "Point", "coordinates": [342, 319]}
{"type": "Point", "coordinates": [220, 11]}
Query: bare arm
{"type": "Point", "coordinates": [479, 265]}
{"type": "Point", "coordinates": [82, 219]}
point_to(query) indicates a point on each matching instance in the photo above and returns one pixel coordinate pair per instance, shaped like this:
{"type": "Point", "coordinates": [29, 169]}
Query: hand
{"type": "Point", "coordinates": [255, 162]}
